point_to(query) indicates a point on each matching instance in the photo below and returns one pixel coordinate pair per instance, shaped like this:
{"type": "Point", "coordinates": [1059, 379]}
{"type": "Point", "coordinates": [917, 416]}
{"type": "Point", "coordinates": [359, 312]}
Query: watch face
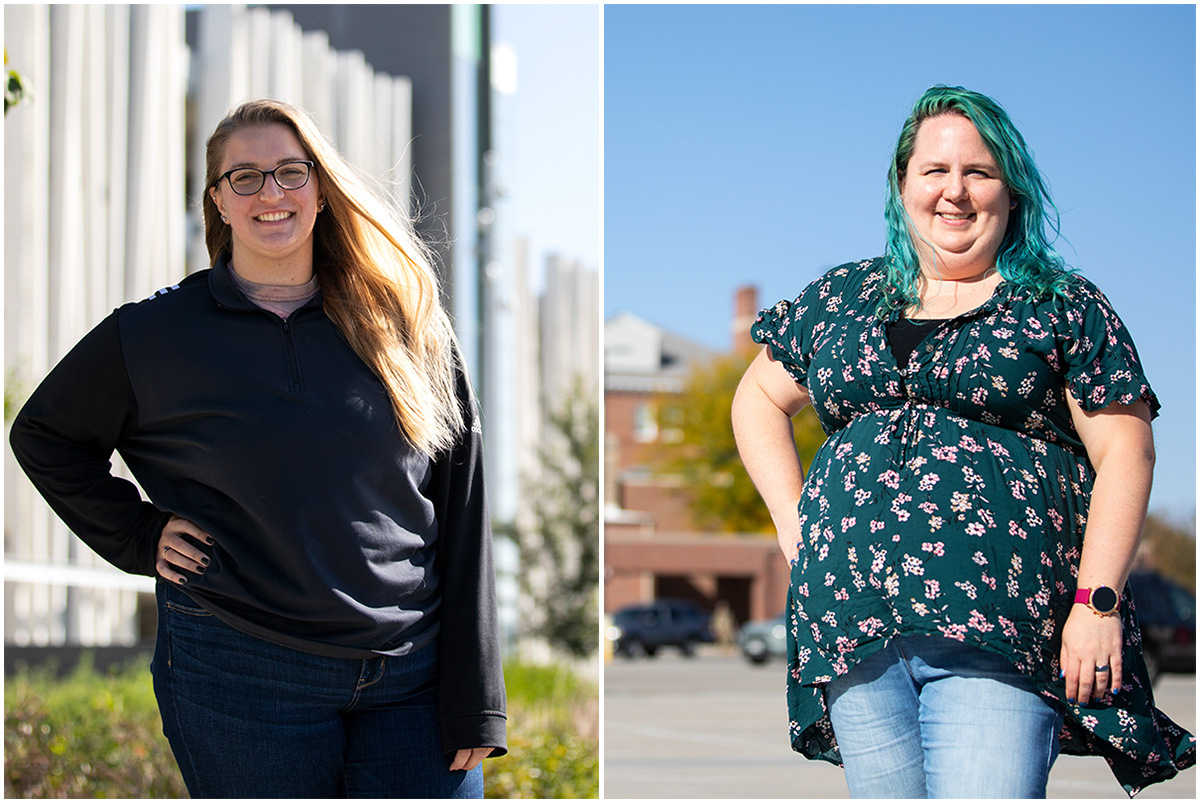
{"type": "Point", "coordinates": [1104, 599]}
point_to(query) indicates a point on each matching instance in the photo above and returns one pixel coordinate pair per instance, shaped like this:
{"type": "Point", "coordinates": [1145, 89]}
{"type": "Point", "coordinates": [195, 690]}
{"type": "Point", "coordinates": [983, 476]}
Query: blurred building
{"type": "Point", "coordinates": [651, 547]}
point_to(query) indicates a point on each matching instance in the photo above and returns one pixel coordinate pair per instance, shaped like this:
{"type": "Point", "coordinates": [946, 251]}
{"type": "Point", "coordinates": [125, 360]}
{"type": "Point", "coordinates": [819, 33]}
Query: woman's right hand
{"type": "Point", "coordinates": [766, 400]}
{"type": "Point", "coordinates": [177, 555]}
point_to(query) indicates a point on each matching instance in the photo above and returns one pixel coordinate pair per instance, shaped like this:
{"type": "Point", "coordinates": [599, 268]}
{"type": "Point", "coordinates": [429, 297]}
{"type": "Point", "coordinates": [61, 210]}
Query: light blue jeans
{"type": "Point", "coordinates": [931, 717]}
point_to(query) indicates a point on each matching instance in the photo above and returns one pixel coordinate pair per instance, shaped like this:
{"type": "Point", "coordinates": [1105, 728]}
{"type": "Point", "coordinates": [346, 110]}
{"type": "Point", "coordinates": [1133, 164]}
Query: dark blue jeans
{"type": "Point", "coordinates": [247, 718]}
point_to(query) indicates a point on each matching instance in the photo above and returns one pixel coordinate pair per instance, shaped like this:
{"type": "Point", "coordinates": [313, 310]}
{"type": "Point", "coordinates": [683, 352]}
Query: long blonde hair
{"type": "Point", "coordinates": [375, 276]}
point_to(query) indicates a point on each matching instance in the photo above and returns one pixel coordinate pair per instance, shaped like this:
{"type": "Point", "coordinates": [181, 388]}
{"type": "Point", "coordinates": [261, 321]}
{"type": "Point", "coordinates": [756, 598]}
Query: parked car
{"type": "Point", "coordinates": [763, 639]}
{"type": "Point", "coordinates": [1167, 618]}
{"type": "Point", "coordinates": [642, 629]}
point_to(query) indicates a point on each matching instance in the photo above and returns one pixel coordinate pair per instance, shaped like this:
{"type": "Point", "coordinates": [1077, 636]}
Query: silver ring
{"type": "Point", "coordinates": [1104, 668]}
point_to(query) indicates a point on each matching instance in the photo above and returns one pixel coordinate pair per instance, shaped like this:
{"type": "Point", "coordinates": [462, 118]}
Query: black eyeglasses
{"type": "Point", "coordinates": [249, 180]}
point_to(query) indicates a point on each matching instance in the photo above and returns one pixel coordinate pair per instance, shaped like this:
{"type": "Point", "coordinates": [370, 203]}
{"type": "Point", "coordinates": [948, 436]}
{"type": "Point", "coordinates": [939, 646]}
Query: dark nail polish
{"type": "Point", "coordinates": [1071, 700]}
{"type": "Point", "coordinates": [209, 540]}
{"type": "Point", "coordinates": [182, 581]}
{"type": "Point", "coordinates": [204, 561]}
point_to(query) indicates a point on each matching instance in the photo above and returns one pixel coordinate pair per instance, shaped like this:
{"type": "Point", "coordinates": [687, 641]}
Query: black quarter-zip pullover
{"type": "Point", "coordinates": [333, 534]}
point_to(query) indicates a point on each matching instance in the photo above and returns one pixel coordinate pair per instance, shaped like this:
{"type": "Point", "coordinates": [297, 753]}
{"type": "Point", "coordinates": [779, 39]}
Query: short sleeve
{"type": "Point", "coordinates": [1101, 361]}
{"type": "Point", "coordinates": [786, 330]}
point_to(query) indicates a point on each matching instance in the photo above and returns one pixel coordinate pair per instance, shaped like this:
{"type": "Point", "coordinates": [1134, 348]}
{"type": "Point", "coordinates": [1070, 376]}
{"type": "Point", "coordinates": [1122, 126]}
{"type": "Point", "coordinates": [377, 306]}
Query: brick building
{"type": "Point", "coordinates": [652, 548]}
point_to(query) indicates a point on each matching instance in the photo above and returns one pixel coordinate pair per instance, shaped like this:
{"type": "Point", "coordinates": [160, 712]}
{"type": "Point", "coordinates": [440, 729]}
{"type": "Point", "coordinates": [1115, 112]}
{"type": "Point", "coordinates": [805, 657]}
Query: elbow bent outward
{"type": "Point", "coordinates": [766, 400]}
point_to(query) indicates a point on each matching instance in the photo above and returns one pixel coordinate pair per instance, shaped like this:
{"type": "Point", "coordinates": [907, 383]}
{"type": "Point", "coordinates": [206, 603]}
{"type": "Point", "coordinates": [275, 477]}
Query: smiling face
{"type": "Point", "coordinates": [956, 198]}
{"type": "Point", "coordinates": [272, 230]}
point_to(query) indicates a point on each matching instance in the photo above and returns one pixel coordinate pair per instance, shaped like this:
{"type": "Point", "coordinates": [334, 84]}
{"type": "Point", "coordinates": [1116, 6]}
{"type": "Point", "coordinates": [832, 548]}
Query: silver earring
{"type": "Point", "coordinates": [321, 208]}
{"type": "Point", "coordinates": [224, 219]}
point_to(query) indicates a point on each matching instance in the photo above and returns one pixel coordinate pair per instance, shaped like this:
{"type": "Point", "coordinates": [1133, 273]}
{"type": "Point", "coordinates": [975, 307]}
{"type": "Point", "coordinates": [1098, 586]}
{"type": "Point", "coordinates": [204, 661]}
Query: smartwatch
{"type": "Point", "coordinates": [1102, 600]}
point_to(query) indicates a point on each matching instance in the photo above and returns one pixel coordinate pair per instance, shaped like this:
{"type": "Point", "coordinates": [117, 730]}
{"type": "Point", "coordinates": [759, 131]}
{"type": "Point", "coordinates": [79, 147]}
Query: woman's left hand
{"type": "Point", "coordinates": [1090, 641]}
{"type": "Point", "coordinates": [469, 759]}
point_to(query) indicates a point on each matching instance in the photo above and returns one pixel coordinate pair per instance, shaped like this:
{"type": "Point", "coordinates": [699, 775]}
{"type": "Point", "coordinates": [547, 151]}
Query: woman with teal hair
{"type": "Point", "coordinates": [960, 547]}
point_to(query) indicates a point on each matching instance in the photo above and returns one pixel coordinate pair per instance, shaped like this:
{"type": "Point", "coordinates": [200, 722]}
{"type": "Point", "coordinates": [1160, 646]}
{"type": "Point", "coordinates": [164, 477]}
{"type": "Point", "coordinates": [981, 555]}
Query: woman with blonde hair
{"type": "Point", "coordinates": [300, 420]}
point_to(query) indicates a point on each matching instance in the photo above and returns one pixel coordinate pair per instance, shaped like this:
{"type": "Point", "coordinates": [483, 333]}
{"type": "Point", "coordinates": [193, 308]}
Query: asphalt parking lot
{"type": "Point", "coordinates": [715, 726]}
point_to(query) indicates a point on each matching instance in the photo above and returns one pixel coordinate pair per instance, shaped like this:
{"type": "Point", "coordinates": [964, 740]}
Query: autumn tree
{"type": "Point", "coordinates": [702, 452]}
{"type": "Point", "coordinates": [559, 543]}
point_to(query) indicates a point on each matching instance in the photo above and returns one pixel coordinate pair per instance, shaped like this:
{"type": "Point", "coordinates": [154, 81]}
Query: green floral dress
{"type": "Point", "coordinates": [951, 497]}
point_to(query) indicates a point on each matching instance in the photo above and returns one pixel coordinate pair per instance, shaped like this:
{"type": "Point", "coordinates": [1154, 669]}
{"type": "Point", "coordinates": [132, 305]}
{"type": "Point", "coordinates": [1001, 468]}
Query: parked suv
{"type": "Point", "coordinates": [642, 629]}
{"type": "Point", "coordinates": [1167, 618]}
{"type": "Point", "coordinates": [763, 639]}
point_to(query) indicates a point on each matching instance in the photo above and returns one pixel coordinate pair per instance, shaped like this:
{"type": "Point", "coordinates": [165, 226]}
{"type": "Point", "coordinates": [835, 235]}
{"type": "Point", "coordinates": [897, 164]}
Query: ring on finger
{"type": "Point", "coordinates": [1104, 668]}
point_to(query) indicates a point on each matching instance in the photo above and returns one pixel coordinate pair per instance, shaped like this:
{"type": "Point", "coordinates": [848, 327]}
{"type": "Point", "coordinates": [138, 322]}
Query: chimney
{"type": "Point", "coordinates": [745, 312]}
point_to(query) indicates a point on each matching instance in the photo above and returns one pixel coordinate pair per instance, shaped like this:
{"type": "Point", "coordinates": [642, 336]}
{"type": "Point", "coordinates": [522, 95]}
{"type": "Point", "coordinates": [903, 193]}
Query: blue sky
{"type": "Point", "coordinates": [555, 163]}
{"type": "Point", "coordinates": [749, 145]}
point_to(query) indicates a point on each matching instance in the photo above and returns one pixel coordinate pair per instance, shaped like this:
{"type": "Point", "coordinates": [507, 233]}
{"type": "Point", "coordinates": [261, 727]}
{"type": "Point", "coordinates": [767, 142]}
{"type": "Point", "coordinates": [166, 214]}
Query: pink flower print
{"type": "Point", "coordinates": [892, 585]}
{"type": "Point", "coordinates": [876, 526]}
{"type": "Point", "coordinates": [938, 549]}
{"type": "Point", "coordinates": [870, 626]}
{"type": "Point", "coordinates": [979, 395]}
{"type": "Point", "coordinates": [845, 644]}
{"type": "Point", "coordinates": [848, 374]}
{"type": "Point", "coordinates": [841, 595]}
{"type": "Point", "coordinates": [947, 453]}
{"type": "Point", "coordinates": [849, 484]}
{"type": "Point", "coordinates": [928, 506]}
{"type": "Point", "coordinates": [933, 589]}
{"type": "Point", "coordinates": [980, 623]}
{"type": "Point", "coordinates": [999, 384]}
{"type": "Point", "coordinates": [1008, 627]}
{"type": "Point", "coordinates": [1014, 529]}
{"type": "Point", "coordinates": [830, 618]}
{"type": "Point", "coordinates": [980, 559]}
{"type": "Point", "coordinates": [927, 482]}
{"type": "Point", "coordinates": [935, 523]}
{"type": "Point", "coordinates": [969, 444]}
{"type": "Point", "coordinates": [802, 590]}
{"type": "Point", "coordinates": [921, 608]}
{"type": "Point", "coordinates": [877, 562]}
{"type": "Point", "coordinates": [941, 372]}
{"type": "Point", "coordinates": [848, 522]}
{"type": "Point", "coordinates": [988, 581]}
{"type": "Point", "coordinates": [1055, 518]}
{"type": "Point", "coordinates": [1008, 352]}
{"type": "Point", "coordinates": [976, 529]}
{"type": "Point", "coordinates": [968, 589]}
{"type": "Point", "coordinates": [1032, 517]}
{"type": "Point", "coordinates": [913, 565]}
{"type": "Point", "coordinates": [861, 497]}
{"type": "Point", "coordinates": [983, 354]}
{"type": "Point", "coordinates": [890, 478]}
{"type": "Point", "coordinates": [829, 579]}
{"type": "Point", "coordinates": [1018, 489]}
{"type": "Point", "coordinates": [960, 502]}
{"type": "Point", "coordinates": [956, 632]}
{"type": "Point", "coordinates": [823, 552]}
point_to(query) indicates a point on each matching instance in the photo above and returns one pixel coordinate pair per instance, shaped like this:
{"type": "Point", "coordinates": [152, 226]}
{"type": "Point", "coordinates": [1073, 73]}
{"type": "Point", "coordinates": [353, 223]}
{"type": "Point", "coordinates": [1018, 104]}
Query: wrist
{"type": "Point", "coordinates": [1102, 600]}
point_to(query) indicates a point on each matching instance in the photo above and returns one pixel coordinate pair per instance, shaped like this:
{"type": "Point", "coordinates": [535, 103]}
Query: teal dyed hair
{"type": "Point", "coordinates": [1025, 257]}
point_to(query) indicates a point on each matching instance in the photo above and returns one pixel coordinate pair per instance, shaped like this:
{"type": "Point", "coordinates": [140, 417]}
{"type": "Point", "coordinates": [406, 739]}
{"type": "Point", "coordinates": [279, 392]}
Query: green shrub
{"type": "Point", "coordinates": [86, 735]}
{"type": "Point", "coordinates": [99, 735]}
{"type": "Point", "coordinates": [553, 737]}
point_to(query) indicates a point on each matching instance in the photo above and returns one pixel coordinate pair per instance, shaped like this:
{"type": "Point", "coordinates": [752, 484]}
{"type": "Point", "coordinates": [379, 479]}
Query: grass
{"type": "Point", "coordinates": [98, 735]}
